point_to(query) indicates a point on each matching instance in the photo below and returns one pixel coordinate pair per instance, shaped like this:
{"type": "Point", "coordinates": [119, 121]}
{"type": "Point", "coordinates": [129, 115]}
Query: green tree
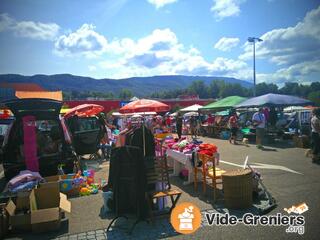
{"type": "Point", "coordinates": [200, 88]}
{"type": "Point", "coordinates": [264, 88]}
{"type": "Point", "coordinates": [315, 97]}
{"type": "Point", "coordinates": [214, 89]}
{"type": "Point", "coordinates": [125, 94]}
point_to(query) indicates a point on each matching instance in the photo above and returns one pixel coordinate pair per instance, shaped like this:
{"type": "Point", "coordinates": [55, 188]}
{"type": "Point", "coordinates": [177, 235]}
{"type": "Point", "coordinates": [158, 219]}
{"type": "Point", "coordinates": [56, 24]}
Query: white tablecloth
{"type": "Point", "coordinates": [182, 161]}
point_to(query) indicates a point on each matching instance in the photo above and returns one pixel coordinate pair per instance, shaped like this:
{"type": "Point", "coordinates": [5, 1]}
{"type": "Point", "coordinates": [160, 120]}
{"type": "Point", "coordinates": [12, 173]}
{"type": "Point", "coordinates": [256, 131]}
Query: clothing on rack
{"type": "Point", "coordinates": [135, 138]}
{"type": "Point", "coordinates": [127, 179]}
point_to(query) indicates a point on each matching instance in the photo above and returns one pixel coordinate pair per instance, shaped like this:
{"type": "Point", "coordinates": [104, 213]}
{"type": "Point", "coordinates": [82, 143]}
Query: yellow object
{"type": "Point", "coordinates": [161, 135]}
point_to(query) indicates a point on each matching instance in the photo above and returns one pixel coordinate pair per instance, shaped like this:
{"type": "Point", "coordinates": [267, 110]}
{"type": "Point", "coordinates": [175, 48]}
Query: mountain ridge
{"type": "Point", "coordinates": [140, 86]}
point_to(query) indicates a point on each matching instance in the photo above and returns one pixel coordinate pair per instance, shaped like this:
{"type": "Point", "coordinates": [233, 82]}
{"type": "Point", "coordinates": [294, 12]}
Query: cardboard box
{"type": "Point", "coordinates": [65, 182]}
{"type": "Point", "coordinates": [4, 221]}
{"type": "Point", "coordinates": [46, 204]}
{"type": "Point", "coordinates": [39, 210]}
{"type": "Point", "coordinates": [19, 216]}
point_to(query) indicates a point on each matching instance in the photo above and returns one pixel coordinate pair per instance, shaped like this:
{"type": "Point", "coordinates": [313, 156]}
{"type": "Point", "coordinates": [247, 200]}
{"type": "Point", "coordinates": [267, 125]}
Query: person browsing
{"type": "Point", "coordinates": [259, 122]}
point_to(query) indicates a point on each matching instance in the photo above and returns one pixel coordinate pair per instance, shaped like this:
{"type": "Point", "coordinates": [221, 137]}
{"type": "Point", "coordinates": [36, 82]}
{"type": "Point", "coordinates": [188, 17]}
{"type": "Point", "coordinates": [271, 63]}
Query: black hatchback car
{"type": "Point", "coordinates": [52, 140]}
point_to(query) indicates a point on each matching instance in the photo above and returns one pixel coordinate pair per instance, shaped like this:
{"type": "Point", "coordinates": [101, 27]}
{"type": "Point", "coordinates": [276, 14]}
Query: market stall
{"type": "Point", "coordinates": [220, 111]}
{"type": "Point", "coordinates": [276, 102]}
{"type": "Point", "coordinates": [183, 155]}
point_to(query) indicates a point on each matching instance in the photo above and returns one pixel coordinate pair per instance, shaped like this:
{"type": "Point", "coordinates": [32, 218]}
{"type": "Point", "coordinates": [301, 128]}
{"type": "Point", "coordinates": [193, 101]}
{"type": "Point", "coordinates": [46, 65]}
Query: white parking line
{"type": "Point", "coordinates": [264, 166]}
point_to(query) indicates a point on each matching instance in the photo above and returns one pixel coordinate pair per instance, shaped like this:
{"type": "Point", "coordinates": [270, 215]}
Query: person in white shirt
{"type": "Point", "coordinates": [259, 122]}
{"type": "Point", "coordinates": [315, 134]}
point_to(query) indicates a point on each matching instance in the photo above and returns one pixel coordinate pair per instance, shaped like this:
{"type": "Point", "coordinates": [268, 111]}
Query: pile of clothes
{"type": "Point", "coordinates": [182, 145]}
{"type": "Point", "coordinates": [24, 181]}
{"type": "Point", "coordinates": [187, 147]}
{"type": "Point", "coordinates": [208, 149]}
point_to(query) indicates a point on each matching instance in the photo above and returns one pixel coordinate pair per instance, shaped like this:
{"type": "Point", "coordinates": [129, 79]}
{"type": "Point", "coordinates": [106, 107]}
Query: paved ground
{"type": "Point", "coordinates": [293, 180]}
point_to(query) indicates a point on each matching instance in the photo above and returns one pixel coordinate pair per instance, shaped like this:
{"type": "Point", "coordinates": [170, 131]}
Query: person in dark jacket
{"type": "Point", "coordinates": [179, 125]}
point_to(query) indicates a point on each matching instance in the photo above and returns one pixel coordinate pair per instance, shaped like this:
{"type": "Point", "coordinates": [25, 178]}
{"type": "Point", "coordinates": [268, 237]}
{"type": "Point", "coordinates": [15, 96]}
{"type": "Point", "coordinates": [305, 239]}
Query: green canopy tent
{"type": "Point", "coordinates": [225, 103]}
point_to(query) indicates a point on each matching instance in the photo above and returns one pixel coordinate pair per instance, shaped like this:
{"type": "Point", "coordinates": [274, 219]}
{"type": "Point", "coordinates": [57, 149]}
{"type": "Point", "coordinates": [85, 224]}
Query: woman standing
{"type": "Point", "coordinates": [233, 125]}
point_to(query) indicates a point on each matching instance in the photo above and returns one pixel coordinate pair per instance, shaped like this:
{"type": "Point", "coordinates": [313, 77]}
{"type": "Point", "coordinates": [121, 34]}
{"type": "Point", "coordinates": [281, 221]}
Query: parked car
{"type": "Point", "coordinates": [53, 142]}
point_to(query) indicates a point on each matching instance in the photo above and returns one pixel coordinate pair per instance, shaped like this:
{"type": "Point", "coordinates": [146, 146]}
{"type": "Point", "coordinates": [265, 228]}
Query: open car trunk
{"type": "Point", "coordinates": [36, 139]}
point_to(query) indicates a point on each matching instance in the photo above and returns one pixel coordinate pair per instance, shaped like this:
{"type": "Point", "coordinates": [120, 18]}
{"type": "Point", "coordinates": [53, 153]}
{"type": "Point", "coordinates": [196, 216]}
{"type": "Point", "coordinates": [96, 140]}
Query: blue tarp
{"type": "Point", "coordinates": [274, 100]}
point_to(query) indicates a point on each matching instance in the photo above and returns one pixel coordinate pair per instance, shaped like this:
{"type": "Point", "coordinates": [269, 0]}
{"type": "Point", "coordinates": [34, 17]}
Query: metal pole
{"type": "Point", "coordinates": [254, 67]}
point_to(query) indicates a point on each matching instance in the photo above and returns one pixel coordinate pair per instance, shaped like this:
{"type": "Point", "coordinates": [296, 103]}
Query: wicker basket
{"type": "Point", "coordinates": [237, 185]}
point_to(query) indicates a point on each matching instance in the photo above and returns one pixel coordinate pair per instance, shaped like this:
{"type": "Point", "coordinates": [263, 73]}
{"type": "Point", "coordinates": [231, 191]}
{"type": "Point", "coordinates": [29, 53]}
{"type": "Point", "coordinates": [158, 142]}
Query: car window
{"type": "Point", "coordinates": [3, 129]}
{"type": "Point", "coordinates": [88, 124]}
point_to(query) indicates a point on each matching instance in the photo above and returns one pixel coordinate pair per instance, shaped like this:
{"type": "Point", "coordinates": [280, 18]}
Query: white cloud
{"type": "Point", "coordinates": [85, 41]}
{"type": "Point", "coordinates": [226, 8]}
{"type": "Point", "coordinates": [29, 29]}
{"type": "Point", "coordinates": [304, 72]}
{"type": "Point", "coordinates": [161, 3]}
{"type": "Point", "coordinates": [161, 53]}
{"type": "Point", "coordinates": [296, 50]}
{"type": "Point", "coordinates": [292, 45]}
{"type": "Point", "coordinates": [226, 44]}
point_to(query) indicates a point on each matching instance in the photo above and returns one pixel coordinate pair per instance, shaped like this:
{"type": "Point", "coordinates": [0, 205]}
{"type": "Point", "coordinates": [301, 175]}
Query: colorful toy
{"type": "Point", "coordinates": [84, 191]}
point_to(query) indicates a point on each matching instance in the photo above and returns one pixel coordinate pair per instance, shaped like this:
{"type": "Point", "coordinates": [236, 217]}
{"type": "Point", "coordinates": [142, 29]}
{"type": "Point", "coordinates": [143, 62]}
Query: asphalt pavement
{"type": "Point", "coordinates": [288, 174]}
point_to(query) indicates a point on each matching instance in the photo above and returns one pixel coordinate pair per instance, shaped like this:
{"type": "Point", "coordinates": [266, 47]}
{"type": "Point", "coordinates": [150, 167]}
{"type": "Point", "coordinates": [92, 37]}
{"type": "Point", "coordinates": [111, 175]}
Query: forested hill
{"type": "Point", "coordinates": [139, 86]}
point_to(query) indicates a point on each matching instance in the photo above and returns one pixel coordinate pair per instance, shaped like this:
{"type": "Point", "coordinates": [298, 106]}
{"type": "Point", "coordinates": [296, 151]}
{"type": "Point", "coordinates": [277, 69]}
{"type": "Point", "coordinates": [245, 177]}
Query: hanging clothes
{"type": "Point", "coordinates": [127, 179]}
{"type": "Point", "coordinates": [135, 138]}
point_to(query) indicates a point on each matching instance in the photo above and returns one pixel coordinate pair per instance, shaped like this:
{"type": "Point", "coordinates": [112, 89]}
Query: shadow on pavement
{"type": "Point", "coordinates": [41, 236]}
{"type": "Point", "coordinates": [159, 229]}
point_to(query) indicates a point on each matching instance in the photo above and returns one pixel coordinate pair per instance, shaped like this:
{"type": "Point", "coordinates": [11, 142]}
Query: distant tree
{"type": "Point", "coordinates": [232, 89]}
{"type": "Point", "coordinates": [200, 88]}
{"type": "Point", "coordinates": [264, 88]}
{"type": "Point", "coordinates": [214, 89]}
{"type": "Point", "coordinates": [125, 94]}
{"type": "Point", "coordinates": [66, 95]}
{"type": "Point", "coordinates": [315, 97]}
{"type": "Point", "coordinates": [291, 88]}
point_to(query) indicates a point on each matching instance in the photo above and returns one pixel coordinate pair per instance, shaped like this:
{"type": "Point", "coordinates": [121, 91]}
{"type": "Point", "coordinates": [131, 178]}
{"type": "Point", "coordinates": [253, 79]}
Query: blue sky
{"type": "Point", "coordinates": [126, 38]}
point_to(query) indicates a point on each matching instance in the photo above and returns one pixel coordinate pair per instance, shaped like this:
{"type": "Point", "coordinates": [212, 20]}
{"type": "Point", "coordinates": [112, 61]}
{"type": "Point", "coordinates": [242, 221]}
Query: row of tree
{"type": "Point", "coordinates": [221, 89]}
{"type": "Point", "coordinates": [216, 89]}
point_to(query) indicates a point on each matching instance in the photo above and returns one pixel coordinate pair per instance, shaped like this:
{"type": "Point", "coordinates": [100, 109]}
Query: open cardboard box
{"type": "Point", "coordinates": [65, 183]}
{"type": "Point", "coordinates": [44, 206]}
{"type": "Point", "coordinates": [19, 214]}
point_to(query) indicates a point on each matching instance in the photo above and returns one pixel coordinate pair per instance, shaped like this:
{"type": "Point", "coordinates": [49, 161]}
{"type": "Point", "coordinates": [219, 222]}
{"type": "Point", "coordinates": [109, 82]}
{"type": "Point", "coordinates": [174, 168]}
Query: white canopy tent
{"type": "Point", "coordinates": [117, 114]}
{"type": "Point", "coordinates": [192, 108]}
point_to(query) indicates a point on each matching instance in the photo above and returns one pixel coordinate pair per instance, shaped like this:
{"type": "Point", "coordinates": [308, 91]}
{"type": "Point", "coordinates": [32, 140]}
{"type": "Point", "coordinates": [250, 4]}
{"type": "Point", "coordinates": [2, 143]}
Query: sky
{"type": "Point", "coordinates": [128, 38]}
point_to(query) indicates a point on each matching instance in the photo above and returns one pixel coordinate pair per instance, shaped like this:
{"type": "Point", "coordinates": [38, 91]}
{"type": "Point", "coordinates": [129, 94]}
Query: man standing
{"type": "Point", "coordinates": [315, 131]}
{"type": "Point", "coordinates": [259, 122]}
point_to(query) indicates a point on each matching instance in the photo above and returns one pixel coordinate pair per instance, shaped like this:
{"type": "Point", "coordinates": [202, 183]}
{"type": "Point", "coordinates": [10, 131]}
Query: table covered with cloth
{"type": "Point", "coordinates": [184, 161]}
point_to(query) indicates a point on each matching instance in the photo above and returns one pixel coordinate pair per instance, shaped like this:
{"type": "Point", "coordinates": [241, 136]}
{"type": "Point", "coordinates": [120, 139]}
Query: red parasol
{"type": "Point", "coordinates": [144, 105]}
{"type": "Point", "coordinates": [84, 110]}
